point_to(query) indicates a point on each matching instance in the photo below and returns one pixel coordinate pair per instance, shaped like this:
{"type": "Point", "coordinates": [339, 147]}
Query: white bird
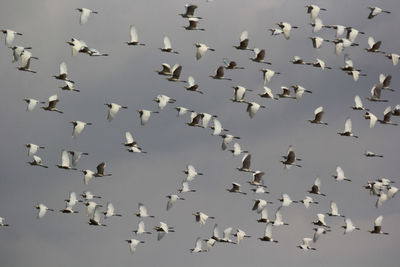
{"type": "Point", "coordinates": [226, 236]}
{"type": "Point", "coordinates": [53, 100]}
{"type": "Point", "coordinates": [198, 247]}
{"type": "Point", "coordinates": [317, 43]}
{"type": "Point", "coordinates": [76, 156]}
{"type": "Point", "coordinates": [191, 173]}
{"type": "Point", "coordinates": [352, 33]}
{"type": "Point", "coordinates": [339, 29]}
{"type": "Point", "coordinates": [374, 46]}
{"type": "Point", "coordinates": [65, 162]}
{"type": "Point", "coordinates": [201, 50]}
{"type": "Point", "coordinates": [181, 111]}
{"type": "Point", "coordinates": [372, 119]}
{"type": "Point", "coordinates": [217, 127]}
{"type": "Point", "coordinates": [78, 46]}
{"type": "Point", "coordinates": [100, 170]}
{"type": "Point", "coordinates": [237, 150]}
{"type": "Point", "coordinates": [318, 112]}
{"type": "Point", "coordinates": [172, 200]}
{"type": "Point", "coordinates": [2, 222]}
{"type": "Point", "coordinates": [257, 179]}
{"type": "Point", "coordinates": [392, 192]}
{"type": "Point", "coordinates": [193, 25]}
{"type": "Point", "coordinates": [317, 25]}
{"type": "Point", "coordinates": [334, 210]}
{"type": "Point", "coordinates": [244, 41]}
{"type": "Point", "coordinates": [42, 209]}
{"type": "Point", "coordinates": [168, 46]}
{"type": "Point", "coordinates": [185, 188]}
{"type": "Point", "coordinates": [252, 108]}
{"type": "Point", "coordinates": [347, 129]}
{"type": "Point", "coordinates": [17, 52]}
{"type": "Point", "coordinates": [231, 65]}
{"type": "Point", "coordinates": [219, 74]}
{"type": "Point", "coordinates": [275, 31]}
{"type": "Point", "coordinates": [209, 243]}
{"type": "Point", "coordinates": [37, 161]}
{"type": "Point", "coordinates": [268, 74]}
{"type": "Point", "coordinates": [189, 11]}
{"type": "Point", "coordinates": [321, 220]}
{"type": "Point", "coordinates": [278, 218]}
{"type": "Point", "coordinates": [318, 64]}
{"type": "Point", "coordinates": [69, 86]}
{"type": "Point", "coordinates": [314, 10]}
{"type": "Point", "coordinates": [307, 201]}
{"type": "Point", "coordinates": [113, 110]}
{"type": "Point", "coordinates": [315, 189]}
{"type": "Point", "coordinates": [394, 57]}
{"type": "Point", "coordinates": [246, 162]}
{"type": "Point", "coordinates": [286, 28]}
{"type": "Point", "coordinates": [134, 37]}
{"type": "Point", "coordinates": [259, 56]}
{"type": "Point", "coordinates": [358, 105]}
{"type": "Point", "coordinates": [145, 115]}
{"type": "Point", "coordinates": [141, 229]}
{"type": "Point", "coordinates": [26, 57]}
{"type": "Point", "coordinates": [264, 216]}
{"type": "Point", "coordinates": [235, 189]}
{"type": "Point", "coordinates": [133, 243]}
{"type": "Point", "coordinates": [381, 199]}
{"type": "Point", "coordinates": [267, 93]}
{"type": "Point", "coordinates": [285, 93]}
{"type": "Point", "coordinates": [87, 195]}
{"type": "Point", "coordinates": [375, 11]}
{"type": "Point", "coordinates": [240, 235]}
{"type": "Point", "coordinates": [239, 93]}
{"type": "Point", "coordinates": [78, 127]}
{"type": "Point", "coordinates": [96, 53]}
{"type": "Point", "coordinates": [339, 176]}
{"type": "Point", "coordinates": [299, 91]}
{"type": "Point", "coordinates": [306, 244]}
{"type": "Point", "coordinates": [110, 211]}
{"type": "Point", "coordinates": [63, 73]}
{"type": "Point", "coordinates": [318, 232]}
{"type": "Point", "coordinates": [163, 100]}
{"type": "Point", "coordinates": [378, 226]}
{"type": "Point", "coordinates": [290, 159]}
{"type": "Point", "coordinates": [166, 69]}
{"type": "Point", "coordinates": [88, 175]}
{"type": "Point", "coordinates": [32, 149]}
{"type": "Point", "coordinates": [286, 200]}
{"type": "Point", "coordinates": [10, 35]}
{"type": "Point", "coordinates": [268, 234]}
{"type": "Point", "coordinates": [396, 110]}
{"type": "Point", "coordinates": [142, 212]}
{"type": "Point", "coordinates": [376, 94]}
{"type": "Point", "coordinates": [260, 204]}
{"type": "Point", "coordinates": [227, 138]}
{"type": "Point", "coordinates": [201, 217]}
{"type": "Point", "coordinates": [371, 154]}
{"type": "Point", "coordinates": [192, 86]}
{"type": "Point", "coordinates": [162, 230]}
{"type": "Point", "coordinates": [85, 13]}
{"type": "Point", "coordinates": [70, 203]}
{"type": "Point", "coordinates": [387, 114]}
{"type": "Point", "coordinates": [90, 206]}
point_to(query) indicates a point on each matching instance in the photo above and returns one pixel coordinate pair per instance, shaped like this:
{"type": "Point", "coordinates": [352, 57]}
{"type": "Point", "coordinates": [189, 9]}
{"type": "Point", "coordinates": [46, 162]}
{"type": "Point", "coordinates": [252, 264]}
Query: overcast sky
{"type": "Point", "coordinates": [127, 77]}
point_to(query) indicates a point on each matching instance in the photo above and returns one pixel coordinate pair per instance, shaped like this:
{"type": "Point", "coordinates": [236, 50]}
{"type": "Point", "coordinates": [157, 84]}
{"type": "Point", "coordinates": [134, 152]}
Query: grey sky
{"type": "Point", "coordinates": [127, 77]}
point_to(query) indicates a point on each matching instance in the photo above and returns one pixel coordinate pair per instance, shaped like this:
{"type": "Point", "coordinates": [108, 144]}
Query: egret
{"type": "Point", "coordinates": [314, 10]}
{"type": "Point", "coordinates": [347, 129]}
{"type": "Point", "coordinates": [26, 57]}
{"type": "Point", "coordinates": [306, 244]}
{"type": "Point", "coordinates": [358, 104]}
{"type": "Point", "coordinates": [63, 73]}
{"type": "Point", "coordinates": [78, 46]}
{"type": "Point", "coordinates": [375, 11]}
{"type": "Point", "coordinates": [318, 232]}
{"type": "Point", "coordinates": [201, 50]}
{"type": "Point", "coordinates": [318, 64]}
{"type": "Point", "coordinates": [239, 93]}
{"type": "Point", "coordinates": [113, 110]}
{"type": "Point", "coordinates": [392, 192]}
{"type": "Point", "coordinates": [307, 201]}
{"type": "Point", "coordinates": [198, 246]}
{"type": "Point", "coordinates": [227, 138]}
{"type": "Point", "coordinates": [240, 235]}
{"type": "Point", "coordinates": [352, 33]}
{"type": "Point", "coordinates": [317, 25]}
{"type": "Point", "coordinates": [268, 74]}
{"type": "Point", "coordinates": [286, 200]}
{"type": "Point", "coordinates": [32, 149]}
{"type": "Point", "coordinates": [96, 53]}
{"type": "Point", "coordinates": [387, 114]}
{"type": "Point", "coordinates": [339, 29]}
{"type": "Point", "coordinates": [172, 200]}
{"type": "Point", "coordinates": [90, 206]}
{"type": "Point", "coordinates": [244, 41]}
{"type": "Point", "coordinates": [85, 13]}
{"type": "Point", "coordinates": [260, 204]}
{"type": "Point", "coordinates": [65, 162]}
{"type": "Point", "coordinates": [201, 217]}
{"type": "Point", "coordinates": [378, 226]}
{"type": "Point", "coordinates": [166, 69]}
{"type": "Point", "coordinates": [162, 230]}
{"type": "Point", "coordinates": [181, 111]}
{"type": "Point", "coordinates": [339, 176]}
{"type": "Point", "coordinates": [217, 127]}
{"type": "Point", "coordinates": [315, 189]}
{"type": "Point", "coordinates": [145, 115]}
{"type": "Point", "coordinates": [275, 31]}
{"type": "Point", "coordinates": [100, 170]}
{"type": "Point", "coordinates": [88, 175]}
{"type": "Point", "coordinates": [95, 220]}
{"type": "Point", "coordinates": [257, 179]}
{"type": "Point", "coordinates": [235, 189]}
{"type": "Point", "coordinates": [231, 65]}
{"type": "Point", "coordinates": [189, 11]}
{"type": "Point", "coordinates": [252, 108]}
{"type": "Point", "coordinates": [268, 234]}
{"type": "Point", "coordinates": [278, 218]}
{"type": "Point", "coordinates": [17, 52]}
{"type": "Point", "coordinates": [237, 150]}
{"type": "Point", "coordinates": [321, 220]}
{"type": "Point", "coordinates": [192, 86]}
{"type": "Point", "coordinates": [141, 229]}
{"type": "Point", "coordinates": [285, 93]}
{"type": "Point", "coordinates": [349, 227]}
{"type": "Point", "coordinates": [370, 154]}
{"type": "Point", "coordinates": [374, 46]}
{"type": "Point", "coordinates": [264, 216]}
{"type": "Point", "coordinates": [384, 81]}
{"type": "Point", "coordinates": [76, 155]}
{"type": "Point", "coordinates": [226, 237]}
{"type": "Point", "coordinates": [134, 37]}
{"type": "Point", "coordinates": [246, 162]}
{"type": "Point", "coordinates": [37, 161]}
{"type": "Point", "coordinates": [10, 35]}
{"type": "Point", "coordinates": [299, 91]}
{"type": "Point", "coordinates": [71, 202]}
{"type": "Point", "coordinates": [69, 87]}
{"type": "Point", "coordinates": [78, 127]}
{"type": "Point", "coordinates": [87, 195]}
{"type": "Point", "coordinates": [209, 243]}
{"type": "Point", "coordinates": [219, 74]}
{"type": "Point", "coordinates": [259, 190]}
{"type": "Point", "coordinates": [53, 100]}
{"type": "Point", "coordinates": [110, 211]}
{"type": "Point", "coordinates": [142, 212]}
{"type": "Point", "coordinates": [176, 72]}
{"type": "Point", "coordinates": [259, 56]}
{"type": "Point", "coordinates": [191, 173]}
{"type": "Point", "coordinates": [394, 57]}
{"type": "Point", "coordinates": [317, 43]}
{"type": "Point", "coordinates": [381, 199]}
{"type": "Point", "coordinates": [42, 209]}
{"type": "Point", "coordinates": [163, 100]}
{"type": "Point", "coordinates": [376, 94]}
{"type": "Point", "coordinates": [372, 119]}
{"type": "Point", "coordinates": [341, 44]}
{"type": "Point", "coordinates": [194, 120]}
{"type": "Point", "coordinates": [2, 222]}
{"type": "Point", "coordinates": [334, 210]}
{"type": "Point", "coordinates": [133, 243]}
{"type": "Point", "coordinates": [290, 159]}
{"type": "Point", "coordinates": [168, 46]}
{"type": "Point", "coordinates": [286, 28]}
{"type": "Point", "coordinates": [193, 25]}
{"type": "Point", "coordinates": [318, 112]}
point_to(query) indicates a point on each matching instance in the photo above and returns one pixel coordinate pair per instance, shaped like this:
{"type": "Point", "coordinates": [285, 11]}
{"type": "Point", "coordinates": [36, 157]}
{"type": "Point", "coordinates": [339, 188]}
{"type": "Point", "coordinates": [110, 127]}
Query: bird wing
{"type": "Point", "coordinates": [217, 127]}
{"type": "Point", "coordinates": [143, 211]}
{"type": "Point", "coordinates": [110, 209]}
{"type": "Point", "coordinates": [317, 182]}
{"type": "Point", "coordinates": [244, 35]}
{"type": "Point", "coordinates": [246, 161]}
{"type": "Point", "coordinates": [72, 199]}
{"type": "Point", "coordinates": [129, 137]}
{"type": "Point", "coordinates": [96, 214]}
{"type": "Point", "coordinates": [239, 93]}
{"type": "Point", "coordinates": [318, 110]}
{"type": "Point", "coordinates": [339, 173]}
{"type": "Point", "coordinates": [113, 111]}
{"type": "Point", "coordinates": [216, 231]}
{"type": "Point", "coordinates": [42, 211]}
{"type": "Point", "coordinates": [378, 221]}
{"type": "Point", "coordinates": [334, 208]}
{"type": "Point", "coordinates": [176, 71]}
{"type": "Point", "coordinates": [141, 227]}
{"type": "Point", "coordinates": [268, 230]}
{"type": "Point", "coordinates": [84, 15]}
{"type": "Point", "coordinates": [78, 128]}
{"type": "Point", "coordinates": [191, 81]}
{"type": "Point", "coordinates": [25, 58]}
{"type": "Point", "coordinates": [371, 41]}
{"type": "Point", "coordinates": [203, 218]}
{"type": "Point", "coordinates": [144, 118]}
{"type": "Point", "coordinates": [227, 233]}
{"type": "Point", "coordinates": [264, 213]}
{"type": "Point", "coordinates": [278, 215]}
{"type": "Point", "coordinates": [65, 159]}
{"type": "Point", "coordinates": [206, 119]}
{"type": "Point", "coordinates": [201, 50]}
{"type": "Point", "coordinates": [235, 186]}
{"type": "Point", "coordinates": [358, 102]}
{"type": "Point", "coordinates": [100, 168]}
{"type": "Point", "coordinates": [198, 244]}
{"type": "Point", "coordinates": [167, 43]}
{"type": "Point", "coordinates": [347, 126]}
{"type": "Point", "coordinates": [63, 68]}
{"type": "Point", "coordinates": [321, 217]}
{"type": "Point", "coordinates": [31, 104]}
{"type": "Point", "coordinates": [220, 72]}
{"type": "Point", "coordinates": [133, 34]}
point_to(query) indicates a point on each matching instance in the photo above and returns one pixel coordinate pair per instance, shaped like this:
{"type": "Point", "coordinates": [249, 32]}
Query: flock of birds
{"type": "Point", "coordinates": [382, 188]}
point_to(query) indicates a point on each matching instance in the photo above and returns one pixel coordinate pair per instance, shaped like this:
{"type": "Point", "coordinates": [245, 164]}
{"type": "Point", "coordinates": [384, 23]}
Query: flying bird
{"type": "Point", "coordinates": [78, 127]}
{"type": "Point", "coordinates": [347, 129]}
{"type": "Point", "coordinates": [201, 50]}
{"type": "Point", "coordinates": [167, 46]}
{"type": "Point", "coordinates": [145, 115]}
{"type": "Point", "coordinates": [85, 13]}
{"type": "Point", "coordinates": [113, 110]}
{"type": "Point", "coordinates": [318, 112]}
{"type": "Point", "coordinates": [53, 100]}
{"type": "Point", "coordinates": [134, 37]}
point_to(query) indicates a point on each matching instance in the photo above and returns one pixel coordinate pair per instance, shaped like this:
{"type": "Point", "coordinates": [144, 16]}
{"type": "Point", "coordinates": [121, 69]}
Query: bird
{"type": "Point", "coordinates": [244, 41]}
{"type": "Point", "coordinates": [286, 28]}
{"type": "Point", "coordinates": [231, 65]}
{"type": "Point", "coordinates": [63, 73]}
{"type": "Point", "coordinates": [387, 114]}
{"type": "Point", "coordinates": [252, 108]}
{"type": "Point", "coordinates": [382, 198]}
{"type": "Point", "coordinates": [374, 11]}
{"type": "Point", "coordinates": [315, 189]}
{"type": "Point", "coordinates": [350, 70]}
{"type": "Point", "coordinates": [317, 25]}
{"type": "Point", "coordinates": [217, 127]}
{"type": "Point", "coordinates": [226, 236]}
{"type": "Point", "coordinates": [193, 25]}
{"type": "Point", "coordinates": [142, 212]}
{"type": "Point", "coordinates": [191, 173]}
{"type": "Point", "coordinates": [392, 191]}
{"type": "Point", "coordinates": [268, 234]}
{"type": "Point", "coordinates": [227, 138]}
{"type": "Point", "coordinates": [318, 112]}
{"type": "Point", "coordinates": [162, 230]}
{"type": "Point", "coordinates": [17, 52]}
{"type": "Point", "coordinates": [76, 156]}
{"type": "Point", "coordinates": [290, 159]}
{"type": "Point", "coordinates": [85, 13]}
{"type": "Point", "coordinates": [201, 50]}
{"type": "Point", "coordinates": [70, 203]}
{"type": "Point", "coordinates": [33, 148]}
{"type": "Point", "coordinates": [100, 170]}
{"type": "Point", "coordinates": [210, 242]}
{"type": "Point", "coordinates": [370, 154]}
{"type": "Point", "coordinates": [259, 56]}
{"type": "Point", "coordinates": [374, 46]}
{"type": "Point", "coordinates": [318, 64]}
{"type": "Point", "coordinates": [376, 94]}
{"type": "Point", "coordinates": [318, 232]}
{"type": "Point", "coordinates": [65, 162]}
{"type": "Point", "coordinates": [192, 86]}
{"type": "Point", "coordinates": [78, 46]}
{"type": "Point", "coordinates": [299, 91]}
{"type": "Point", "coordinates": [268, 74]}
{"type": "Point", "coordinates": [166, 69]}
{"type": "Point", "coordinates": [339, 29]}
{"type": "Point", "coordinates": [316, 42]}
{"type": "Point", "coordinates": [237, 150]}
{"type": "Point", "coordinates": [285, 93]}
{"type": "Point", "coordinates": [286, 200]}
{"type": "Point", "coordinates": [96, 53]}
{"type": "Point", "coordinates": [53, 100]}
{"type": "Point", "coordinates": [201, 217]}
{"type": "Point", "coordinates": [334, 210]}
{"type": "Point", "coordinates": [246, 162]}
{"type": "Point", "coordinates": [176, 72]}
{"type": "Point", "coordinates": [358, 105]}
{"type": "Point", "coordinates": [189, 11]}
{"type": "Point", "coordinates": [78, 127]}
{"type": "Point", "coordinates": [37, 161]}
{"type": "Point", "coordinates": [198, 247]}
{"type": "Point", "coordinates": [133, 243]}
{"type": "Point", "coordinates": [167, 46]}
{"type": "Point", "coordinates": [134, 37]}
{"type": "Point", "coordinates": [378, 226]}
{"type": "Point", "coordinates": [307, 201]}
{"type": "Point", "coordinates": [145, 115]}
{"type": "Point", "coordinates": [314, 10]}
{"type": "Point", "coordinates": [2, 222]}
{"type": "Point", "coordinates": [278, 218]}
{"type": "Point", "coordinates": [219, 74]}
{"type": "Point", "coordinates": [32, 103]}
{"type": "Point", "coordinates": [352, 33]}
{"type": "Point", "coordinates": [297, 60]}
{"type": "Point", "coordinates": [110, 211]}
{"type": "Point", "coordinates": [240, 235]}
{"type": "Point", "coordinates": [257, 179]}
{"type": "Point", "coordinates": [341, 44]}
{"type": "Point", "coordinates": [69, 86]}
{"type": "Point", "coordinates": [264, 216]}
{"type": "Point", "coordinates": [26, 57]}
{"type": "Point", "coordinates": [260, 204]}
{"type": "Point", "coordinates": [181, 111]}
{"type": "Point", "coordinates": [306, 244]}
{"type": "Point", "coordinates": [87, 195]}
{"type": "Point", "coordinates": [321, 220]}
{"type": "Point", "coordinates": [239, 94]}
{"type": "Point", "coordinates": [163, 100]}
{"type": "Point", "coordinates": [42, 209]}
{"type": "Point", "coordinates": [268, 94]}
{"type": "Point", "coordinates": [347, 129]}
{"type": "Point", "coordinates": [141, 229]}
{"type": "Point", "coordinates": [235, 189]}
{"type": "Point", "coordinates": [172, 200]}
{"type": "Point", "coordinates": [396, 111]}
{"type": "Point", "coordinates": [394, 57]}
{"type": "Point", "coordinates": [206, 118]}
{"type": "Point", "coordinates": [88, 175]}
{"type": "Point", "coordinates": [10, 35]}
{"type": "Point", "coordinates": [339, 176]}
{"type": "Point", "coordinates": [384, 82]}
{"type": "Point", "coordinates": [130, 142]}
{"type": "Point", "coordinates": [195, 120]}
{"type": "Point", "coordinates": [90, 206]}
{"type": "Point", "coordinates": [113, 110]}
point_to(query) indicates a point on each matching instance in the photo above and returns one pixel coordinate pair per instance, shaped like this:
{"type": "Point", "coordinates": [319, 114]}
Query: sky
{"type": "Point", "coordinates": [127, 77]}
